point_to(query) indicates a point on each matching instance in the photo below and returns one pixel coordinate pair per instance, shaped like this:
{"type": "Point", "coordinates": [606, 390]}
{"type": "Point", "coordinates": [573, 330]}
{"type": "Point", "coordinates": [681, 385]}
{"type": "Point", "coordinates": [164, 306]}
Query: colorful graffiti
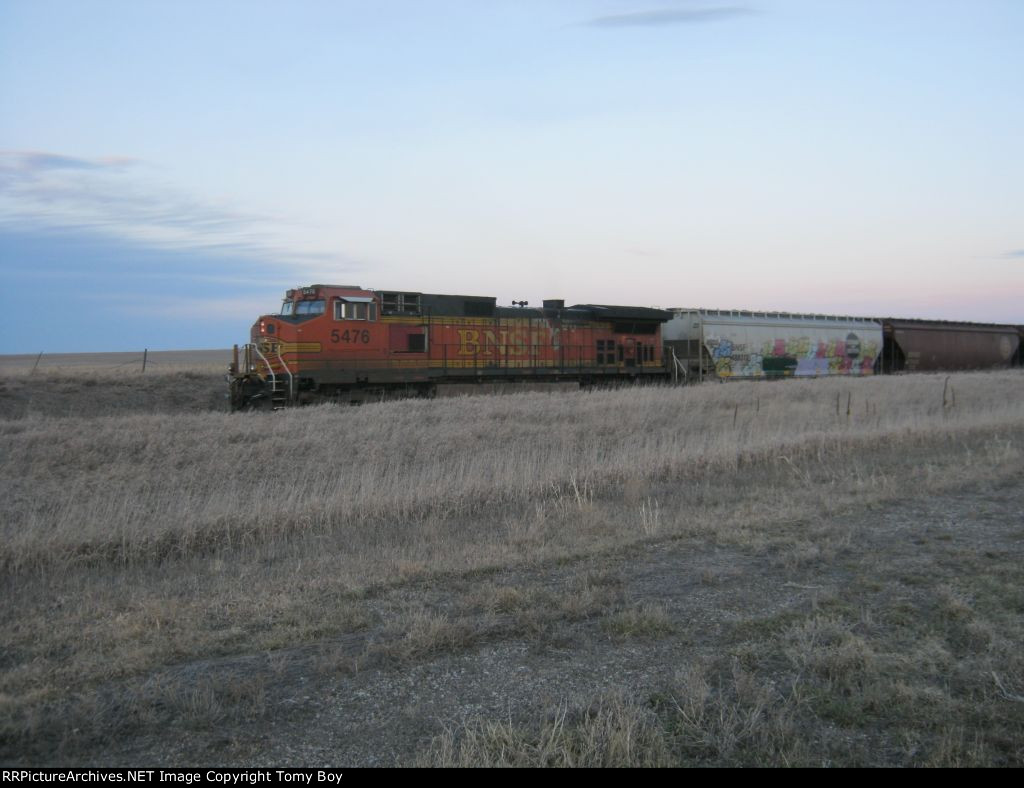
{"type": "Point", "coordinates": [798, 356]}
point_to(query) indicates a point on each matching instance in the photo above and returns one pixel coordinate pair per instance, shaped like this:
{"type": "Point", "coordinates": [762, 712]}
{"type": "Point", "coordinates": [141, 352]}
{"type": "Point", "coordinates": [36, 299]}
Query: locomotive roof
{"type": "Point", "coordinates": [605, 311]}
{"type": "Point", "coordinates": [486, 306]}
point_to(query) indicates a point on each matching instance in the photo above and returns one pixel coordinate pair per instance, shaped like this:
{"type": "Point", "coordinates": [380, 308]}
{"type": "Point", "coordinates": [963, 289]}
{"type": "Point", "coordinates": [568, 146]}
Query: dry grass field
{"type": "Point", "coordinates": [798, 573]}
{"type": "Point", "coordinates": [106, 384]}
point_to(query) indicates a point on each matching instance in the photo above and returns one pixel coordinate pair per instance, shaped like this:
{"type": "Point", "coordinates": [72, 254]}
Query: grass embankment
{"type": "Point", "coordinates": [132, 542]}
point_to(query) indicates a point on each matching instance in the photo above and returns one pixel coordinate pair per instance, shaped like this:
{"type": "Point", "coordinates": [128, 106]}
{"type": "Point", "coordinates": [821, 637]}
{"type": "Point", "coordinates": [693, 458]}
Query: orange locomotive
{"type": "Point", "coordinates": [345, 343]}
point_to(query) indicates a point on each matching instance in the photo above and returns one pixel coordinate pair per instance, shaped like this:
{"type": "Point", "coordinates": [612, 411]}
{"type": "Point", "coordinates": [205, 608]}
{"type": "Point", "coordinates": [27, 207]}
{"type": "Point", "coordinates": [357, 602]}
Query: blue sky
{"type": "Point", "coordinates": [168, 169]}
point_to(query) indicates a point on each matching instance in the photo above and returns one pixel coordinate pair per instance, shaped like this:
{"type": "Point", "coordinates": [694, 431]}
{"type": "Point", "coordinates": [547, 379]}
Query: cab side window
{"type": "Point", "coordinates": [348, 310]}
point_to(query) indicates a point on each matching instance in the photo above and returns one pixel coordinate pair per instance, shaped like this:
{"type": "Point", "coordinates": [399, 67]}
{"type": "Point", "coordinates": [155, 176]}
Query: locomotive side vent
{"type": "Point", "coordinates": [400, 303]}
{"type": "Point", "coordinates": [478, 308]}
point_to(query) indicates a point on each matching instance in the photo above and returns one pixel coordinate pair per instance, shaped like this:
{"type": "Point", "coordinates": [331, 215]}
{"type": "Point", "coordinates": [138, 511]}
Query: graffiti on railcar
{"type": "Point", "coordinates": [796, 356]}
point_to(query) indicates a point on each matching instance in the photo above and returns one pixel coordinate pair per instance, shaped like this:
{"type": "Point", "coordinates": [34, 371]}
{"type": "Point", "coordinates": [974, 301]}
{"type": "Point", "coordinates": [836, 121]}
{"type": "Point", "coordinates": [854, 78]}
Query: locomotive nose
{"type": "Point", "coordinates": [266, 326]}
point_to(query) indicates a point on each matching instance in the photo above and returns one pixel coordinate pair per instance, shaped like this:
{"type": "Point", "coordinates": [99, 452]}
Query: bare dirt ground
{"type": "Point", "coordinates": [538, 643]}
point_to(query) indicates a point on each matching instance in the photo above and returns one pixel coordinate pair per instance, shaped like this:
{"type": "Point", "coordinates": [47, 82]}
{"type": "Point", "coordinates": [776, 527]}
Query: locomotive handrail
{"type": "Point", "coordinates": [678, 367]}
{"type": "Point", "coordinates": [291, 378]}
{"type": "Point", "coordinates": [270, 369]}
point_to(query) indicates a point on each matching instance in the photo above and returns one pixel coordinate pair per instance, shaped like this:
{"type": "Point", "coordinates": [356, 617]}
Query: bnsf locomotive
{"type": "Point", "coordinates": [347, 343]}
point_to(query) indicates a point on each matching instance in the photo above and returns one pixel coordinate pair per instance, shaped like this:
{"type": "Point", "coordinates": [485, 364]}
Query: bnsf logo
{"type": "Point", "coordinates": [505, 342]}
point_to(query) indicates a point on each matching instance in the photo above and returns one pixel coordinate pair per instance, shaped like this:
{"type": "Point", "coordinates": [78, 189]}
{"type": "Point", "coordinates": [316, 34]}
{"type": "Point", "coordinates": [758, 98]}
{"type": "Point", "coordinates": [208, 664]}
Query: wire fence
{"type": "Point", "coordinates": [140, 362]}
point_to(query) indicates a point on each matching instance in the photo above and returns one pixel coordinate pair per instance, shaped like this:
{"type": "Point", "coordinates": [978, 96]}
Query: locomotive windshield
{"type": "Point", "coordinates": [310, 307]}
{"type": "Point", "coordinates": [287, 308]}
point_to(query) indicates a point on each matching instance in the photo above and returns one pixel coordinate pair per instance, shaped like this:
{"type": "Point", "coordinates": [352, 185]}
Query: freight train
{"type": "Point", "coordinates": [345, 343]}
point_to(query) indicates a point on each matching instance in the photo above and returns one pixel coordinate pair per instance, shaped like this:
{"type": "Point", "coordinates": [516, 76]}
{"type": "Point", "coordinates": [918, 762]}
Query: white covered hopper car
{"type": "Point", "coordinates": [719, 343]}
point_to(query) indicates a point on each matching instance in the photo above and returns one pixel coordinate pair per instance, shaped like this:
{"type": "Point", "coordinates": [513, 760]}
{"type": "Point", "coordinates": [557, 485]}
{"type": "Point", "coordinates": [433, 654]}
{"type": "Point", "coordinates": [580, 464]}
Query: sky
{"type": "Point", "coordinates": [169, 168]}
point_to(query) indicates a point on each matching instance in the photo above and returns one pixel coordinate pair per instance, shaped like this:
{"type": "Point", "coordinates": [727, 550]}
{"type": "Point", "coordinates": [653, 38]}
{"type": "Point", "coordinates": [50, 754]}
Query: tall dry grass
{"type": "Point", "coordinates": [91, 390]}
{"type": "Point", "coordinates": [134, 541]}
{"type": "Point", "coordinates": [152, 487]}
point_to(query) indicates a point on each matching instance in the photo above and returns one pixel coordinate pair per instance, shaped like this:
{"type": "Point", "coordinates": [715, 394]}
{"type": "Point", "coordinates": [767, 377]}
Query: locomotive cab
{"type": "Point", "coordinates": [316, 328]}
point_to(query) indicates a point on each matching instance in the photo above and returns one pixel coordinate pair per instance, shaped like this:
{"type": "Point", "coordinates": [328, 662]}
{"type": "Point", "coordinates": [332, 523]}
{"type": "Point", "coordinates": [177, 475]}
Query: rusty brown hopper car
{"type": "Point", "coordinates": [931, 345]}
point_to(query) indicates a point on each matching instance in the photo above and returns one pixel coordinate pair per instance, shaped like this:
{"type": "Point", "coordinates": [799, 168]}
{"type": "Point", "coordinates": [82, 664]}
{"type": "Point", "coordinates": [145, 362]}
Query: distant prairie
{"type": "Point", "coordinates": [131, 359]}
{"type": "Point", "coordinates": [105, 384]}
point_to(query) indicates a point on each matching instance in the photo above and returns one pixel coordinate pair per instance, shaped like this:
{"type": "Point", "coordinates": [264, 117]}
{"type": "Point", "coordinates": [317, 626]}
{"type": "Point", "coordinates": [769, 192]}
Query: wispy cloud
{"type": "Point", "coordinates": [661, 17]}
{"type": "Point", "coordinates": [124, 199]}
{"type": "Point", "coordinates": [116, 194]}
{"type": "Point", "coordinates": [125, 293]}
{"type": "Point", "coordinates": [35, 162]}
{"type": "Point", "coordinates": [188, 307]}
{"type": "Point", "coordinates": [1015, 254]}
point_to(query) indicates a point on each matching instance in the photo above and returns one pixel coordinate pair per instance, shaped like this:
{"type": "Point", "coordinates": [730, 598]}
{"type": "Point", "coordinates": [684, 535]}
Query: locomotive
{"type": "Point", "coordinates": [345, 343]}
